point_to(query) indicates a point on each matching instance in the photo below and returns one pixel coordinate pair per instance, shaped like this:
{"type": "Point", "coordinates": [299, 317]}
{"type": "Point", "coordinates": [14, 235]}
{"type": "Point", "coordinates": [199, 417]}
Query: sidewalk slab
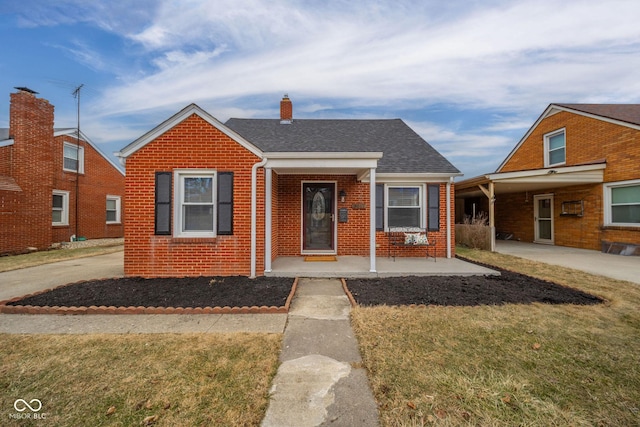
{"type": "Point", "coordinates": [318, 382]}
{"type": "Point", "coordinates": [141, 323]}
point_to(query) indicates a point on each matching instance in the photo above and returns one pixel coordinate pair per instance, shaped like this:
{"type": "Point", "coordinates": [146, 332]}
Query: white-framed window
{"type": "Point", "coordinates": [555, 148]}
{"type": "Point", "coordinates": [73, 158]}
{"type": "Point", "coordinates": [622, 203]}
{"type": "Point", "coordinates": [195, 196]}
{"type": "Point", "coordinates": [113, 209]}
{"type": "Point", "coordinates": [404, 206]}
{"type": "Point", "coordinates": [60, 208]}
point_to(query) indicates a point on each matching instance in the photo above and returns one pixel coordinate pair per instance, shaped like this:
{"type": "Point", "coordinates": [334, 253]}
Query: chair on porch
{"type": "Point", "coordinates": [407, 237]}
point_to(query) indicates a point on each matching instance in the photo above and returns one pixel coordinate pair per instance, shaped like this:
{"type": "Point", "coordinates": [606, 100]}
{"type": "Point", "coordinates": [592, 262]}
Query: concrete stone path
{"type": "Point", "coordinates": [319, 382]}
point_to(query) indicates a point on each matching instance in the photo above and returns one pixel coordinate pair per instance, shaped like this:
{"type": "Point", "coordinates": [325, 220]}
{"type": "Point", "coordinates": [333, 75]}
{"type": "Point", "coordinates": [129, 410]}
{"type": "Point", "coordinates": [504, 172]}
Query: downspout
{"type": "Point", "coordinates": [449, 216]}
{"type": "Point", "coordinates": [254, 213]}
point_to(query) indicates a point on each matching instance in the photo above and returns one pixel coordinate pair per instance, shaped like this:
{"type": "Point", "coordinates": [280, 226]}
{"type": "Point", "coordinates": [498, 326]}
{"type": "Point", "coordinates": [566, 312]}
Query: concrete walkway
{"type": "Point", "coordinates": [319, 382]}
{"type": "Point", "coordinates": [614, 266]}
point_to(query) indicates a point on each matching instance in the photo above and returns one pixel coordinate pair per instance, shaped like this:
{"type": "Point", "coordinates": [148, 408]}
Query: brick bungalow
{"type": "Point", "coordinates": [572, 180]}
{"type": "Point", "coordinates": [207, 198]}
{"type": "Point", "coordinates": [47, 176]}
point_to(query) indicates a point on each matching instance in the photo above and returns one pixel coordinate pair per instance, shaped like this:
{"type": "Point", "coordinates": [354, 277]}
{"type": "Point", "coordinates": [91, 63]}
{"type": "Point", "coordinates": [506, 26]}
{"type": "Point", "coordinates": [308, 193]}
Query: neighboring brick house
{"type": "Point", "coordinates": [572, 180]}
{"type": "Point", "coordinates": [207, 198]}
{"type": "Point", "coordinates": [40, 189]}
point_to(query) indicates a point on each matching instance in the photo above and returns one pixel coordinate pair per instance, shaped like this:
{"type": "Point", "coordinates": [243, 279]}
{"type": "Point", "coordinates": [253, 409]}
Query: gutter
{"type": "Point", "coordinates": [254, 214]}
{"type": "Point", "coordinates": [449, 217]}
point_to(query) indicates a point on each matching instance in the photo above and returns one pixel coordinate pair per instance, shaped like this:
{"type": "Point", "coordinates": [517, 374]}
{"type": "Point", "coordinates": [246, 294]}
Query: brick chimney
{"type": "Point", "coordinates": [286, 110]}
{"type": "Point", "coordinates": [32, 166]}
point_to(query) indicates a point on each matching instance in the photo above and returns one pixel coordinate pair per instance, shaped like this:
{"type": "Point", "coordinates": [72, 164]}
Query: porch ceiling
{"type": "Point", "coordinates": [534, 180]}
{"type": "Point", "coordinates": [345, 163]}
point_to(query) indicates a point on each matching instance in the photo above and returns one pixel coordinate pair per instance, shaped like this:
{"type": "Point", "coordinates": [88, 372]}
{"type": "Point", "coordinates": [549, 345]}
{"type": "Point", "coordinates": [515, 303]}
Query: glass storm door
{"type": "Point", "coordinates": [543, 211]}
{"type": "Point", "coordinates": [318, 217]}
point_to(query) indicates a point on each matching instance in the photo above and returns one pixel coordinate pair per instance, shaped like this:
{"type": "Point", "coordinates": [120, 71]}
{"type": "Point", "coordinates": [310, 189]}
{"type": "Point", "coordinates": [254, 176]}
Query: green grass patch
{"type": "Point", "coordinates": [121, 380]}
{"type": "Point", "coordinates": [508, 365]}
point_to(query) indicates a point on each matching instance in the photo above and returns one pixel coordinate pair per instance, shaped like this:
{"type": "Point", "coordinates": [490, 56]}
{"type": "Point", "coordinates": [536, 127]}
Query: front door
{"type": "Point", "coordinates": [543, 212]}
{"type": "Point", "coordinates": [318, 217]}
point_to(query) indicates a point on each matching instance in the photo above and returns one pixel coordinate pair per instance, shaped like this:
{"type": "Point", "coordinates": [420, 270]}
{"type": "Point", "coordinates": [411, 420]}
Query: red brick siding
{"type": "Point", "coordinates": [353, 236]}
{"type": "Point", "coordinates": [29, 223]}
{"type": "Point", "coordinates": [35, 162]}
{"type": "Point", "coordinates": [587, 140]}
{"type": "Point", "coordinates": [191, 144]}
{"type": "Point", "coordinates": [98, 180]}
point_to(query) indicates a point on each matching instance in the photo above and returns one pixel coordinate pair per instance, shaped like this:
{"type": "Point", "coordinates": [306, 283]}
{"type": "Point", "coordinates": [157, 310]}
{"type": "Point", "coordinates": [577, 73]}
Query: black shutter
{"type": "Point", "coordinates": [379, 206]}
{"type": "Point", "coordinates": [225, 203]}
{"type": "Point", "coordinates": [163, 203]}
{"type": "Point", "coordinates": [433, 203]}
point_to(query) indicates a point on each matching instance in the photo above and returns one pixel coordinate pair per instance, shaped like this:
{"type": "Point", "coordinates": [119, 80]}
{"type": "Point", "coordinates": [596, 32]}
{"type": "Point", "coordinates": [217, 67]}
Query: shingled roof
{"type": "Point", "coordinates": [404, 150]}
{"type": "Point", "coordinates": [629, 113]}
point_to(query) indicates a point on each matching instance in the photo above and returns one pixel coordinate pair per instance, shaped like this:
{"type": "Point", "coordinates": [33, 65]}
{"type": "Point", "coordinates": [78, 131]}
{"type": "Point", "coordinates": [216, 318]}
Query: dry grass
{"type": "Point", "coordinates": [15, 262]}
{"type": "Point", "coordinates": [508, 365]}
{"type": "Point", "coordinates": [189, 380]}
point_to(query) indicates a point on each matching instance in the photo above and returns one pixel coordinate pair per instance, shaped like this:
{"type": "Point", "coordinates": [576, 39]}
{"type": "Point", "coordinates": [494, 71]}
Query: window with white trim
{"type": "Point", "coordinates": [195, 196]}
{"type": "Point", "coordinates": [622, 203]}
{"type": "Point", "coordinates": [60, 208]}
{"type": "Point", "coordinates": [555, 148]}
{"type": "Point", "coordinates": [405, 206]}
{"type": "Point", "coordinates": [73, 158]}
{"type": "Point", "coordinates": [113, 209]}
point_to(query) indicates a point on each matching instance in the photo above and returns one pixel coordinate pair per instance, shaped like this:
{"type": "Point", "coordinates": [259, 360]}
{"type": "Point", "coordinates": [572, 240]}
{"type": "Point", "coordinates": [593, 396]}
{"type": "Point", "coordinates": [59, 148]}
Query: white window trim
{"type": "Point", "coordinates": [178, 179]}
{"type": "Point", "coordinates": [547, 157]}
{"type": "Point", "coordinates": [65, 207]}
{"type": "Point", "coordinates": [421, 202]}
{"type": "Point", "coordinates": [608, 199]}
{"type": "Point", "coordinates": [80, 157]}
{"type": "Point", "coordinates": [118, 209]}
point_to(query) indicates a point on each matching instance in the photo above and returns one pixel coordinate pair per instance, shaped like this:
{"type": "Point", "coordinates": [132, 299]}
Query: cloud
{"type": "Point", "coordinates": [495, 57]}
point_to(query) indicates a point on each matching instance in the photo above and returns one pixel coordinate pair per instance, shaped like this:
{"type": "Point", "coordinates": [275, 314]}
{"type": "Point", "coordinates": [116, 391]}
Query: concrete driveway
{"type": "Point", "coordinates": [32, 279]}
{"type": "Point", "coordinates": [614, 266]}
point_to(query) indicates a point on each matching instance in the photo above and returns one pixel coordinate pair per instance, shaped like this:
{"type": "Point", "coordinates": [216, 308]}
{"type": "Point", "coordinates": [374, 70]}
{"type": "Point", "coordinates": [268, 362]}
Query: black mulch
{"type": "Point", "coordinates": [194, 292]}
{"type": "Point", "coordinates": [508, 288]}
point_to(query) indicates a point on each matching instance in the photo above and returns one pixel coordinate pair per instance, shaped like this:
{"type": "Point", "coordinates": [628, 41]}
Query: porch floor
{"type": "Point", "coordinates": [357, 266]}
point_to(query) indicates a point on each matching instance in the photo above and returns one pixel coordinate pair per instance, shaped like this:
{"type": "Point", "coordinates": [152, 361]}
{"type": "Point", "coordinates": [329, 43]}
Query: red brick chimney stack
{"type": "Point", "coordinates": [286, 110]}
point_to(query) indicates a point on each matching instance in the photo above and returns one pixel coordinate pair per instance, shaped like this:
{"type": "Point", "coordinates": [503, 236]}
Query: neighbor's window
{"type": "Point", "coordinates": [73, 158]}
{"type": "Point", "coordinates": [622, 203]}
{"type": "Point", "coordinates": [404, 207]}
{"type": "Point", "coordinates": [60, 208]}
{"type": "Point", "coordinates": [195, 207]}
{"type": "Point", "coordinates": [555, 148]}
{"type": "Point", "coordinates": [113, 209]}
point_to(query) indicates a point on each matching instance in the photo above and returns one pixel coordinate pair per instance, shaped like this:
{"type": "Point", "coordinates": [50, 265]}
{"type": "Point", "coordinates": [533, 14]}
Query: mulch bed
{"type": "Point", "coordinates": [201, 292]}
{"type": "Point", "coordinates": [507, 288]}
{"type": "Point", "coordinates": [235, 291]}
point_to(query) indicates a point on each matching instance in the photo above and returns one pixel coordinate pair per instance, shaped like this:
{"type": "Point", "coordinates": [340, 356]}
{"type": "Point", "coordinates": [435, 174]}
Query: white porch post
{"type": "Point", "coordinates": [372, 219]}
{"type": "Point", "coordinates": [267, 219]}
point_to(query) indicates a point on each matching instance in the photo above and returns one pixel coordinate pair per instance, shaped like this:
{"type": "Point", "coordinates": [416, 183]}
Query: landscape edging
{"type": "Point", "coordinates": [30, 309]}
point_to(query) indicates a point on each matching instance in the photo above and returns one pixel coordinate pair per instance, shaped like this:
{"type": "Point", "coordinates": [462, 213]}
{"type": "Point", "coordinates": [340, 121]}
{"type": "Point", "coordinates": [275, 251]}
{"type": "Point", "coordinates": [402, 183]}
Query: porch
{"type": "Point", "coordinates": [358, 266]}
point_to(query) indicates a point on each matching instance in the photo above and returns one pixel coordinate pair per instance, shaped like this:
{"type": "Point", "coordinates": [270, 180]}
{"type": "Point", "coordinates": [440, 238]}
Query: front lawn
{"type": "Point", "coordinates": [134, 380]}
{"type": "Point", "coordinates": [535, 364]}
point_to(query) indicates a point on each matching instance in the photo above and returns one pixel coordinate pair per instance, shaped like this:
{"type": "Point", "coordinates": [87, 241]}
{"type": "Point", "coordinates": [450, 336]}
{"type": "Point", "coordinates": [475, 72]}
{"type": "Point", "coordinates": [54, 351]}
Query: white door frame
{"type": "Point", "coordinates": [536, 219]}
{"type": "Point", "coordinates": [333, 251]}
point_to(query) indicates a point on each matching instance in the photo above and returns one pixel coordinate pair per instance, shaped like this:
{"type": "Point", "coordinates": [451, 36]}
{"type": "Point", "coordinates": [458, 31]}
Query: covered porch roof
{"type": "Point", "coordinates": [296, 163]}
{"type": "Point", "coordinates": [531, 180]}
